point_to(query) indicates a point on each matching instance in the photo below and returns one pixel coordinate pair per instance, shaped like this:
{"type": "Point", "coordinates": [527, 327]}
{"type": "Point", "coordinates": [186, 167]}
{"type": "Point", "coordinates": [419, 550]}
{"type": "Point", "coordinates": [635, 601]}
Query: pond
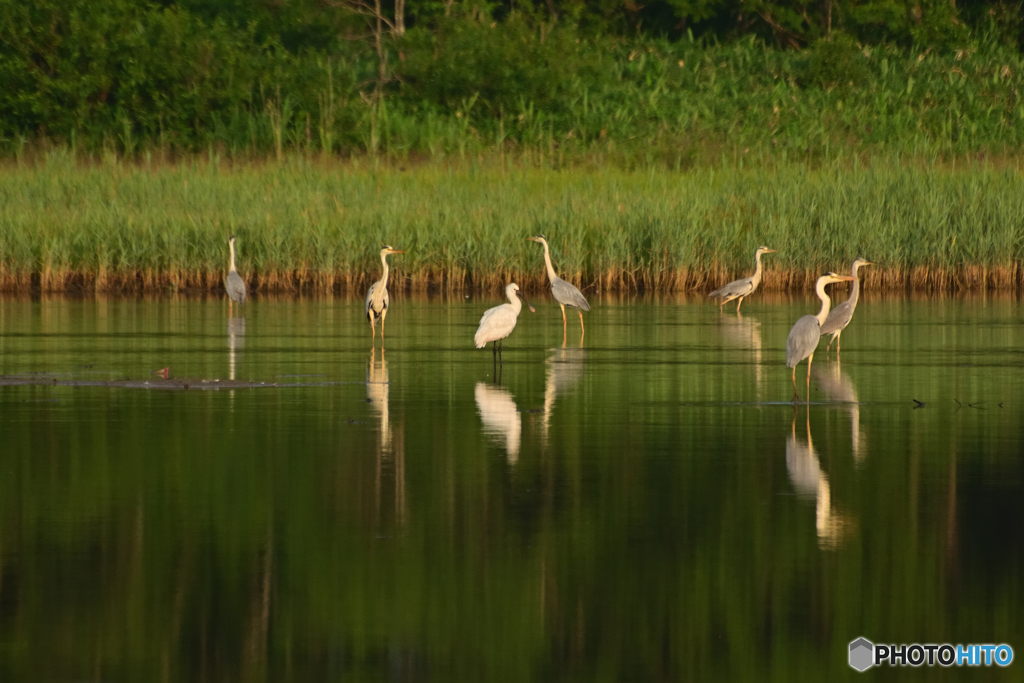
{"type": "Point", "coordinates": [649, 505]}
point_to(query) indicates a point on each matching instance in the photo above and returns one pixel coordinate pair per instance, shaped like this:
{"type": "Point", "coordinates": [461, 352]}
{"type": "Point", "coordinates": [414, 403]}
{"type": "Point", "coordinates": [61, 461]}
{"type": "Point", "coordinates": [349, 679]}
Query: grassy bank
{"type": "Point", "coordinates": [309, 225]}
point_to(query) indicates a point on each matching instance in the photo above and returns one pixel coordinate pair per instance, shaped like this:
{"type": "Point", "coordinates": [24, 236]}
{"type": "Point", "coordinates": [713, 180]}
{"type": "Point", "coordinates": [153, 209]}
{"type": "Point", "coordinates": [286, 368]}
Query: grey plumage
{"type": "Point", "coordinates": [377, 299]}
{"type": "Point", "coordinates": [803, 340]}
{"type": "Point", "coordinates": [233, 283]}
{"type": "Point", "coordinates": [740, 289]}
{"type": "Point", "coordinates": [564, 293]}
{"type": "Point", "coordinates": [842, 314]}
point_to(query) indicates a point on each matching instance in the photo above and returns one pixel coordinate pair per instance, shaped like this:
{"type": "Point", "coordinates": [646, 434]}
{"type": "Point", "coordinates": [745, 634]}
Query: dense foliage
{"type": "Point", "coordinates": [667, 82]}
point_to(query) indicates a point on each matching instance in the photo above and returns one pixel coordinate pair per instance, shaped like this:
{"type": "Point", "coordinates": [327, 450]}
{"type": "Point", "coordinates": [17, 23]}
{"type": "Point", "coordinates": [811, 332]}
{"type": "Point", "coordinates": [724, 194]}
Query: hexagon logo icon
{"type": "Point", "coordinates": [862, 654]}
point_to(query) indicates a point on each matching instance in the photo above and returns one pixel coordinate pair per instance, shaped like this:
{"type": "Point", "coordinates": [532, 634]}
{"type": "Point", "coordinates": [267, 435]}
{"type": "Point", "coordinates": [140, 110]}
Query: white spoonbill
{"type": "Point", "coordinates": [498, 322]}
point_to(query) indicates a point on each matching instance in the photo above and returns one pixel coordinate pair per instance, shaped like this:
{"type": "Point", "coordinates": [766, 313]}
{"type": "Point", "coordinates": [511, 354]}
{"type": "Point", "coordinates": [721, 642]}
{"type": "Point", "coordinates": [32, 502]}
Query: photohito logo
{"type": "Point", "coordinates": [864, 654]}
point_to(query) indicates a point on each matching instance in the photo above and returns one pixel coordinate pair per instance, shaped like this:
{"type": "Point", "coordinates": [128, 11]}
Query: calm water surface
{"type": "Point", "coordinates": [646, 507]}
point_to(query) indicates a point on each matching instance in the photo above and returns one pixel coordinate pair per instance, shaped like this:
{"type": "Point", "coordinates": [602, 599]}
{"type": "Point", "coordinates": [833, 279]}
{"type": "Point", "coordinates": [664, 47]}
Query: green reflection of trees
{"type": "Point", "coordinates": [268, 535]}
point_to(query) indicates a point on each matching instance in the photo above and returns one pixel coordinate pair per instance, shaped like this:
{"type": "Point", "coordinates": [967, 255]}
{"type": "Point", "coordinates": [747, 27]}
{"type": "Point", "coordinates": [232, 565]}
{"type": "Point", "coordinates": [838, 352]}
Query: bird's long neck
{"type": "Point", "coordinates": [547, 262]}
{"type": "Point", "coordinates": [515, 302]}
{"type": "Point", "coordinates": [855, 291]}
{"type": "Point", "coordinates": [826, 303]}
{"type": "Point", "coordinates": [231, 263]}
{"type": "Point", "coordinates": [384, 262]}
{"type": "Point", "coordinates": [756, 277]}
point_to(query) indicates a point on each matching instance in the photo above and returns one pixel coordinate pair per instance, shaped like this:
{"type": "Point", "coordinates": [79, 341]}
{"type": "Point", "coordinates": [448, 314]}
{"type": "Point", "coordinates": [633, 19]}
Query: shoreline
{"type": "Point", "coordinates": [922, 279]}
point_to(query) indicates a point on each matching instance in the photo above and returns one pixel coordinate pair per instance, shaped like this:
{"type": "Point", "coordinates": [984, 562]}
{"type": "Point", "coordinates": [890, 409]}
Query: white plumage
{"type": "Point", "coordinates": [498, 322]}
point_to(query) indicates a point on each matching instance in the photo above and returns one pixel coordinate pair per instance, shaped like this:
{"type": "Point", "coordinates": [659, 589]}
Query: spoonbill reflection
{"type": "Point", "coordinates": [803, 338]}
{"type": "Point", "coordinates": [565, 293]}
{"type": "Point", "coordinates": [501, 418]}
{"type": "Point", "coordinates": [377, 298]}
{"type": "Point", "coordinates": [836, 386]}
{"type": "Point", "coordinates": [740, 289]}
{"type": "Point", "coordinates": [233, 283]}
{"type": "Point", "coordinates": [564, 371]}
{"type": "Point", "coordinates": [498, 322]}
{"type": "Point", "coordinates": [809, 481]}
{"type": "Point", "coordinates": [842, 314]}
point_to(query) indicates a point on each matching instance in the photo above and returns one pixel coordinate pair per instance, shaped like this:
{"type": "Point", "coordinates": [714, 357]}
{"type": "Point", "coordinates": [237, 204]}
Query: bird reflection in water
{"type": "Point", "coordinates": [390, 451]}
{"type": "Point", "coordinates": [744, 333]}
{"type": "Point", "coordinates": [501, 418]}
{"type": "Point", "coordinates": [836, 386]}
{"type": "Point", "coordinates": [564, 370]}
{"type": "Point", "coordinates": [809, 481]}
{"type": "Point", "coordinates": [236, 340]}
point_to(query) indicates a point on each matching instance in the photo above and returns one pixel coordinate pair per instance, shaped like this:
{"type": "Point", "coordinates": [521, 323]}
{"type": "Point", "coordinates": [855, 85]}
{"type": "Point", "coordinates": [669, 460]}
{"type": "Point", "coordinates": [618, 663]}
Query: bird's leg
{"type": "Point", "coordinates": [383, 314]}
{"type": "Point", "coordinates": [582, 331]}
{"type": "Point", "coordinates": [809, 359]}
{"type": "Point", "coordinates": [738, 304]}
{"type": "Point", "coordinates": [796, 396]}
{"type": "Point", "coordinates": [564, 324]}
{"type": "Point", "coordinates": [839, 343]}
{"type": "Point", "coordinates": [373, 327]}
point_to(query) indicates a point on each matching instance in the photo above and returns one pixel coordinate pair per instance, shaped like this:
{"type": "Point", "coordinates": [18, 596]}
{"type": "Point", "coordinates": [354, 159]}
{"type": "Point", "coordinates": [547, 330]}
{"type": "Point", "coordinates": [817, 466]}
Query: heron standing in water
{"type": "Point", "coordinates": [739, 289]}
{"type": "Point", "coordinates": [565, 294]}
{"type": "Point", "coordinates": [233, 283]}
{"type": "Point", "coordinates": [498, 322]}
{"type": "Point", "coordinates": [842, 314]}
{"type": "Point", "coordinates": [377, 298]}
{"type": "Point", "coordinates": [803, 338]}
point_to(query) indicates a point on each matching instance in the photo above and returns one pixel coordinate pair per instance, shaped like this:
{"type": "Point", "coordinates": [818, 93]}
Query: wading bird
{"type": "Point", "coordinates": [842, 314]}
{"type": "Point", "coordinates": [498, 322]}
{"type": "Point", "coordinates": [741, 289]}
{"type": "Point", "coordinates": [233, 283]}
{"type": "Point", "coordinates": [377, 298]}
{"type": "Point", "coordinates": [565, 294]}
{"type": "Point", "coordinates": [803, 338]}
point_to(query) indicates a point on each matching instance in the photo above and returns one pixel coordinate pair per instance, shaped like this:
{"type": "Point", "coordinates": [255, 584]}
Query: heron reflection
{"type": "Point", "coordinates": [744, 333]}
{"type": "Point", "coordinates": [564, 370]}
{"type": "Point", "coordinates": [390, 451]}
{"type": "Point", "coordinates": [837, 386]}
{"type": "Point", "coordinates": [501, 418]}
{"type": "Point", "coordinates": [805, 474]}
{"type": "Point", "coordinates": [236, 340]}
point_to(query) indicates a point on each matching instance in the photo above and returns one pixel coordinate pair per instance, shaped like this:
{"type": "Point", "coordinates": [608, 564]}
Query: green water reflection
{"type": "Point", "coordinates": [647, 507]}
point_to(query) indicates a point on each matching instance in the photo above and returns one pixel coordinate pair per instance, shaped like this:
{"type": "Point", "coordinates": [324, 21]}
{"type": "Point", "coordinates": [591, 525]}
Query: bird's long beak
{"type": "Point", "coordinates": [845, 278]}
{"type": "Point", "coordinates": [520, 295]}
{"type": "Point", "coordinates": [398, 251]}
{"type": "Point", "coordinates": [771, 251]}
{"type": "Point", "coordinates": [532, 239]}
{"type": "Point", "coordinates": [869, 263]}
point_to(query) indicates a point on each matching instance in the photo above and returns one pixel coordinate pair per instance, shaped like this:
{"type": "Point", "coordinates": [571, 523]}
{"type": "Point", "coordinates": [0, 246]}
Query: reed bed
{"type": "Point", "coordinates": [316, 226]}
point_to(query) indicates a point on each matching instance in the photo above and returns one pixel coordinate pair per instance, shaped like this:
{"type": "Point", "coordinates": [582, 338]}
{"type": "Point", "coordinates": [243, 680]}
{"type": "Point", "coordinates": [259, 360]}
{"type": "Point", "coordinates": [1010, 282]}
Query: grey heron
{"type": "Point", "coordinates": [377, 298]}
{"type": "Point", "coordinates": [565, 294]}
{"type": "Point", "coordinates": [739, 289]}
{"type": "Point", "coordinates": [234, 285]}
{"type": "Point", "coordinates": [803, 338]}
{"type": "Point", "coordinates": [842, 314]}
{"type": "Point", "coordinates": [498, 322]}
